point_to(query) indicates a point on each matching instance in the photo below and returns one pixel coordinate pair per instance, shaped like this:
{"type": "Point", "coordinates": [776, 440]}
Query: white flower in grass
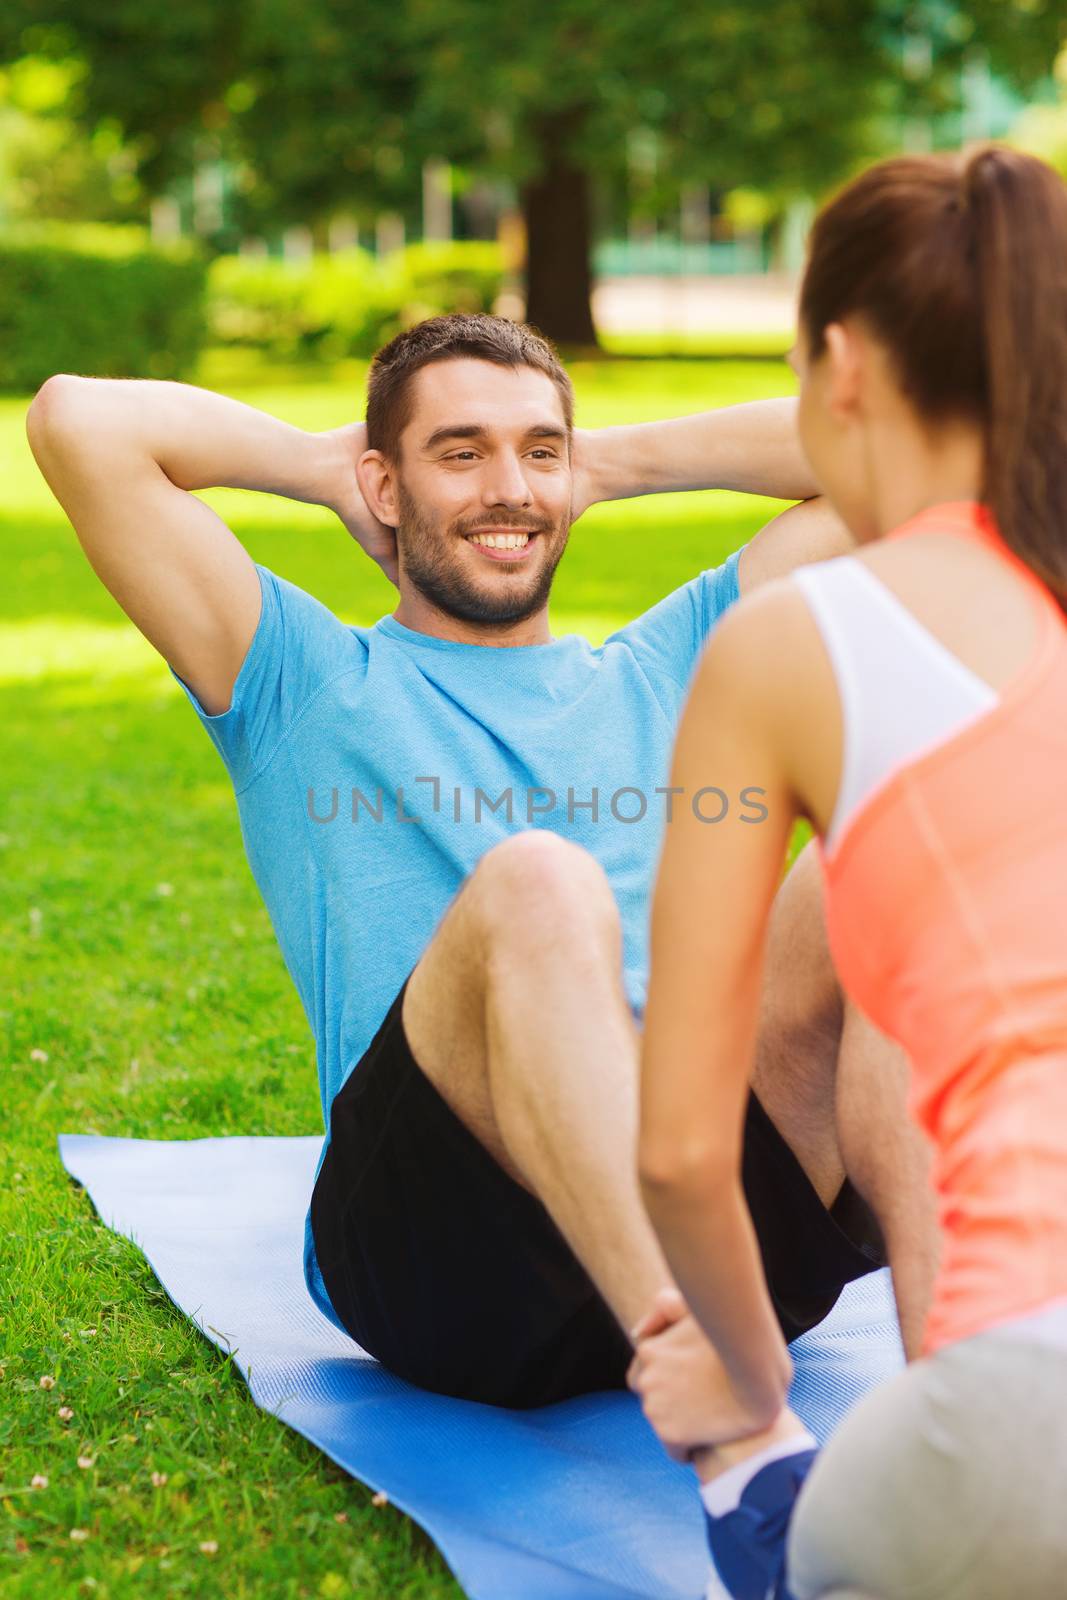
{"type": "Point", "coordinates": [38, 1481]}
{"type": "Point", "coordinates": [38, 1055]}
{"type": "Point", "coordinates": [65, 1413]}
{"type": "Point", "coordinates": [79, 1535]}
{"type": "Point", "coordinates": [47, 1382]}
{"type": "Point", "coordinates": [209, 1547]}
{"type": "Point", "coordinates": [158, 1479]}
{"type": "Point", "coordinates": [85, 1462]}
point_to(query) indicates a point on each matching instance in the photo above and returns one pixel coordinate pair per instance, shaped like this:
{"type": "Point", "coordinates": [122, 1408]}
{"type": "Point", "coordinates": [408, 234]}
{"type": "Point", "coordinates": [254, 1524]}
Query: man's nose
{"type": "Point", "coordinates": [505, 482]}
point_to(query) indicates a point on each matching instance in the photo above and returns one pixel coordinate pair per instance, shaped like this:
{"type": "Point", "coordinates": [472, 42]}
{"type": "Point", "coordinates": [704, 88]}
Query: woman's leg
{"type": "Point", "coordinates": [946, 1483]}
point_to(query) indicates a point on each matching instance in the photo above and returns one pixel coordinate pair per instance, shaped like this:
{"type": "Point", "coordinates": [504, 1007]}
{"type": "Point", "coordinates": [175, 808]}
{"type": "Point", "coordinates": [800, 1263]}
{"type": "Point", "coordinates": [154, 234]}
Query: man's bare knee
{"type": "Point", "coordinates": [533, 893]}
{"type": "Point", "coordinates": [546, 893]}
{"type": "Point", "coordinates": [538, 910]}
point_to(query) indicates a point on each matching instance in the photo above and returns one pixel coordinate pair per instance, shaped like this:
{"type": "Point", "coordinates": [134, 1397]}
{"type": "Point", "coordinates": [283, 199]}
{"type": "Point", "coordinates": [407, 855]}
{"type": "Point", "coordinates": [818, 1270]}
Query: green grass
{"type": "Point", "coordinates": [145, 996]}
{"type": "Point", "coordinates": [736, 345]}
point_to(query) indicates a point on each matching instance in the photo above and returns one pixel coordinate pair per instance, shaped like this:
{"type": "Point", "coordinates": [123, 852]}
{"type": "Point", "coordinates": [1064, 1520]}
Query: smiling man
{"type": "Point", "coordinates": [471, 951]}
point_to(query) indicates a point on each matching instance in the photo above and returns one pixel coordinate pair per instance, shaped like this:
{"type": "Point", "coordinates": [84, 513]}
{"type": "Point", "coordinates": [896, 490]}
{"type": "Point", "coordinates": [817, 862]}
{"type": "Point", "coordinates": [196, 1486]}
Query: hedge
{"type": "Point", "coordinates": [97, 301]}
{"type": "Point", "coordinates": [348, 303]}
{"type": "Point", "coordinates": [102, 300]}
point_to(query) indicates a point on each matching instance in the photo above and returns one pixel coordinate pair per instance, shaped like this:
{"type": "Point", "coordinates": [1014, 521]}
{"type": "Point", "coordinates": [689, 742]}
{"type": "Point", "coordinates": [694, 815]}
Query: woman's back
{"type": "Point", "coordinates": [946, 872]}
{"type": "Point", "coordinates": [925, 738]}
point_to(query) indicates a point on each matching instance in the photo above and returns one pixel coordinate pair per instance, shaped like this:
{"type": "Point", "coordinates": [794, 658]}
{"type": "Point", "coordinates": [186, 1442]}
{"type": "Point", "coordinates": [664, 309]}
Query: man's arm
{"type": "Point", "coordinates": [121, 456]}
{"type": "Point", "coordinates": [752, 448]}
{"type": "Point", "coordinates": [810, 531]}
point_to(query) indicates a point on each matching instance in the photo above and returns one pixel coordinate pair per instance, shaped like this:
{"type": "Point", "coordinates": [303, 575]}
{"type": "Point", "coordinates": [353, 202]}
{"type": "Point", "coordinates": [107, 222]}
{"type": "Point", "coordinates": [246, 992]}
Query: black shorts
{"type": "Point", "coordinates": [457, 1279]}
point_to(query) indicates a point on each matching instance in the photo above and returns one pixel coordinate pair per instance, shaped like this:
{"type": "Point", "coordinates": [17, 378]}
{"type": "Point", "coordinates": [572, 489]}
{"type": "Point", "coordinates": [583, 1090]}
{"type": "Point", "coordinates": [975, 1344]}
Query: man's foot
{"type": "Point", "coordinates": [748, 1509]}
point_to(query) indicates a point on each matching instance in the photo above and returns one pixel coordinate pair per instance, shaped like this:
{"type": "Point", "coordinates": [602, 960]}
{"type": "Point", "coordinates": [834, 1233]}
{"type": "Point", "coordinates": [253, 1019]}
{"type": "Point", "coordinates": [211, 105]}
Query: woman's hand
{"type": "Point", "coordinates": [378, 540]}
{"type": "Point", "coordinates": [684, 1388]}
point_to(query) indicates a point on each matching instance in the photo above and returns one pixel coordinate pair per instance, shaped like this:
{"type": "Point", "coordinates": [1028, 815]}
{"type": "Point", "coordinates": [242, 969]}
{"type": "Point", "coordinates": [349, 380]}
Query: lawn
{"type": "Point", "coordinates": [146, 997]}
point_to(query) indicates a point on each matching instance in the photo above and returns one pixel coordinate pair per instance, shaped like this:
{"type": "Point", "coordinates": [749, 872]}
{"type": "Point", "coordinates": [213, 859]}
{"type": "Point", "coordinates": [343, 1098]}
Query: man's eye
{"type": "Point", "coordinates": [541, 454]}
{"type": "Point", "coordinates": [462, 455]}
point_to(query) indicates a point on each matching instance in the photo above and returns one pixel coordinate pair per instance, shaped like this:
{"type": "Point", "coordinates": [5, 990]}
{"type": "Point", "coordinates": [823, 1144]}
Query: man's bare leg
{"type": "Point", "coordinates": [799, 1036]}
{"type": "Point", "coordinates": [888, 1160]}
{"type": "Point", "coordinates": [836, 1088]}
{"type": "Point", "coordinates": [517, 1015]}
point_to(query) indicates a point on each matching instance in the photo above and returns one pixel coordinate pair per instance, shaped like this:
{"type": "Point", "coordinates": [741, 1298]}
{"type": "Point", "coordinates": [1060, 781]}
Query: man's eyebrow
{"type": "Point", "coordinates": [473, 430]}
{"type": "Point", "coordinates": [455, 430]}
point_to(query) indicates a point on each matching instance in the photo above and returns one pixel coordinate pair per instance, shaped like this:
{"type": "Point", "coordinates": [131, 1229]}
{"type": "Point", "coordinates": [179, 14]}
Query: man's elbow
{"type": "Point", "coordinates": [809, 531]}
{"type": "Point", "coordinates": [52, 407]}
{"type": "Point", "coordinates": [58, 421]}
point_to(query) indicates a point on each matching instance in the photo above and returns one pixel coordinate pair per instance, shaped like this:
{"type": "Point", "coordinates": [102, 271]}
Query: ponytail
{"type": "Point", "coordinates": [1019, 211]}
{"type": "Point", "coordinates": [959, 266]}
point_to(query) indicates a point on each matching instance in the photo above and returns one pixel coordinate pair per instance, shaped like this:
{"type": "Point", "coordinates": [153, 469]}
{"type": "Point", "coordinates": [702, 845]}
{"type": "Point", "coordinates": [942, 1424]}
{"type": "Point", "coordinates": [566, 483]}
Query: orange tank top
{"type": "Point", "coordinates": [946, 904]}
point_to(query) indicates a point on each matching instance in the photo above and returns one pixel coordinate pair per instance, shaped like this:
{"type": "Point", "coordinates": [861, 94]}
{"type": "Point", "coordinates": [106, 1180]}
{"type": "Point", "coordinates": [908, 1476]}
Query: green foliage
{"type": "Point", "coordinates": [1042, 130]}
{"type": "Point", "coordinates": [96, 301]}
{"type": "Point", "coordinates": [349, 303]}
{"type": "Point", "coordinates": [114, 240]}
{"type": "Point", "coordinates": [293, 309]}
{"type": "Point", "coordinates": [335, 104]}
{"type": "Point", "coordinates": [327, 107]}
{"type": "Point", "coordinates": [50, 165]}
{"type": "Point", "coordinates": [458, 276]}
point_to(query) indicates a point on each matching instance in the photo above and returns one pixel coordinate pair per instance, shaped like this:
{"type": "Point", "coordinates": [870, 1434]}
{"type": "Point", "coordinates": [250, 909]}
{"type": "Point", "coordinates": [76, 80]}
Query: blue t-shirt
{"type": "Point", "coordinates": [338, 736]}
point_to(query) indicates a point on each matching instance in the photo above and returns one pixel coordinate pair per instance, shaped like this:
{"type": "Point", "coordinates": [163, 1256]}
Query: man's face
{"type": "Point", "coordinates": [483, 489]}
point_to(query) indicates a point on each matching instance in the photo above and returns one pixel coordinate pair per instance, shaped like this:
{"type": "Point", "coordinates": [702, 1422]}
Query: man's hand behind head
{"type": "Point", "coordinates": [378, 540]}
{"type": "Point", "coordinates": [586, 486]}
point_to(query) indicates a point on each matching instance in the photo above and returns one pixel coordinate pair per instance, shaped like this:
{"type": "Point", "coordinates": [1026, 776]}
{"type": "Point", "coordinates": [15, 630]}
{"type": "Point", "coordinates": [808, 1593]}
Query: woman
{"type": "Point", "coordinates": [911, 701]}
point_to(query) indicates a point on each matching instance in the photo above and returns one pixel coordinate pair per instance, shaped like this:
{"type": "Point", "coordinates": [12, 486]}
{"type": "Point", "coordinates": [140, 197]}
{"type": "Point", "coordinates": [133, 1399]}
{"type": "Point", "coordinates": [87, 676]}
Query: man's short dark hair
{"type": "Point", "coordinates": [479, 336]}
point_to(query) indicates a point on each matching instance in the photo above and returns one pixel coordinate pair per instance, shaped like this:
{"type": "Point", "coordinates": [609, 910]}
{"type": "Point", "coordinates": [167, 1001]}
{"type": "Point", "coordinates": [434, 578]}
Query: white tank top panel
{"type": "Point", "coordinates": [902, 691]}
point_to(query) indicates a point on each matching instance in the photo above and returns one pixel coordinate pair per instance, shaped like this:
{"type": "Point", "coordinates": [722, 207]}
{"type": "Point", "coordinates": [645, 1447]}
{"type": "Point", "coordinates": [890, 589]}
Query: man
{"type": "Point", "coordinates": [454, 820]}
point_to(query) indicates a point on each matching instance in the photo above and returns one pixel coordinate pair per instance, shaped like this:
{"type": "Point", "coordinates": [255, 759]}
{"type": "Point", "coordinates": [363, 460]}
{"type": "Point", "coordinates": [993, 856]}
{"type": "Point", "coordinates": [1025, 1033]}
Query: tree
{"type": "Point", "coordinates": [336, 103]}
{"type": "Point", "coordinates": [50, 169]}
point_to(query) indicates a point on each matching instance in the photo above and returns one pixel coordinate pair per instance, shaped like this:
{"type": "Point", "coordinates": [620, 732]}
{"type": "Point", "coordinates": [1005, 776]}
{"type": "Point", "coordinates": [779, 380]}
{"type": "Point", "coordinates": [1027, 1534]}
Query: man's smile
{"type": "Point", "coordinates": [505, 544]}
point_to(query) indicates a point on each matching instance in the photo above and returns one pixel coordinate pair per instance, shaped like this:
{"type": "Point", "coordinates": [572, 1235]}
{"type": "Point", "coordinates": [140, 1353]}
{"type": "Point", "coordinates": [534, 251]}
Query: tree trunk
{"type": "Point", "coordinates": [557, 211]}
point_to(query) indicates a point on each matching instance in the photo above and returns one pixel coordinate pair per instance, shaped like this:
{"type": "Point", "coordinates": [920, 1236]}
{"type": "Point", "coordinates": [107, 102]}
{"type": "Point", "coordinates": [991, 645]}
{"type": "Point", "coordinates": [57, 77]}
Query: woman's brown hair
{"type": "Point", "coordinates": [958, 265]}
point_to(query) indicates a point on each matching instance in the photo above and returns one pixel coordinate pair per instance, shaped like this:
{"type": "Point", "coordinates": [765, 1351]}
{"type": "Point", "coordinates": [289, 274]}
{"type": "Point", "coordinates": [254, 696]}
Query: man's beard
{"type": "Point", "coordinates": [430, 559]}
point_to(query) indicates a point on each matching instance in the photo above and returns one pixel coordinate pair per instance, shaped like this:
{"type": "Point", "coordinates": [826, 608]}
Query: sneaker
{"type": "Point", "coordinates": [748, 1542]}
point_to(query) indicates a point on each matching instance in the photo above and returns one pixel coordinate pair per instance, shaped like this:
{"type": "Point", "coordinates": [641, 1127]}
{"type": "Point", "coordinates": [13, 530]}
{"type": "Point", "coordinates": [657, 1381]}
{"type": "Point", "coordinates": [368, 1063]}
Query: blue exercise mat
{"type": "Point", "coordinates": [573, 1502]}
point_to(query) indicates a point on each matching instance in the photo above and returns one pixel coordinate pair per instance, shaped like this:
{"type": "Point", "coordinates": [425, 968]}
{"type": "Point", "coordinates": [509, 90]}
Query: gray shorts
{"type": "Point", "coordinates": [949, 1482]}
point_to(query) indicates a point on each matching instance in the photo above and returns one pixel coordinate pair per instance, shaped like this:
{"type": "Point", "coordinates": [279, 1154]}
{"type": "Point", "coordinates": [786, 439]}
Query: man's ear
{"type": "Point", "coordinates": [377, 484]}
